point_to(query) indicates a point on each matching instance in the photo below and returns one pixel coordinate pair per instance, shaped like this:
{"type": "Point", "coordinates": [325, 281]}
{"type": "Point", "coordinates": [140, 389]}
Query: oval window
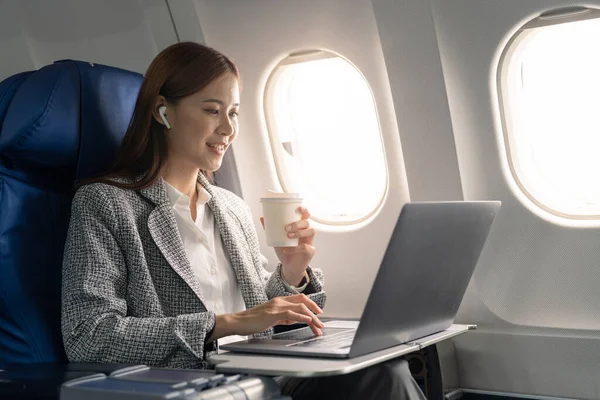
{"type": "Point", "coordinates": [549, 85]}
{"type": "Point", "coordinates": [325, 136]}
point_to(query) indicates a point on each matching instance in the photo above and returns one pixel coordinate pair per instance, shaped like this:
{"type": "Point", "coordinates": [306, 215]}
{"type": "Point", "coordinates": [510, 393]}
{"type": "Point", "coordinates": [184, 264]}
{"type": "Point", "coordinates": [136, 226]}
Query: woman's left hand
{"type": "Point", "coordinates": [295, 259]}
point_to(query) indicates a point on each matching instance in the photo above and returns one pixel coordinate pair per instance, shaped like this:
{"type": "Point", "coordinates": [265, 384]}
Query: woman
{"type": "Point", "coordinates": [160, 265]}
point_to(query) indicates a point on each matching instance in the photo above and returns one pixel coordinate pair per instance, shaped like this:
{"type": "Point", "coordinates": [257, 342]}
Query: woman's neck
{"type": "Point", "coordinates": [183, 178]}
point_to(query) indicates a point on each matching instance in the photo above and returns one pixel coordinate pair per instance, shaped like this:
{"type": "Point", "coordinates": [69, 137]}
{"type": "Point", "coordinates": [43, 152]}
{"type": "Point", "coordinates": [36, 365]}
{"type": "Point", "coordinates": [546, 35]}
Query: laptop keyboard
{"type": "Point", "coordinates": [332, 341]}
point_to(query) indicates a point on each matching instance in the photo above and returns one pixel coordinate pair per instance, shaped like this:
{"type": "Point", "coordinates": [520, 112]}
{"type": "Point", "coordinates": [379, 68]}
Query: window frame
{"type": "Point", "coordinates": [277, 146]}
{"type": "Point", "coordinates": [513, 46]}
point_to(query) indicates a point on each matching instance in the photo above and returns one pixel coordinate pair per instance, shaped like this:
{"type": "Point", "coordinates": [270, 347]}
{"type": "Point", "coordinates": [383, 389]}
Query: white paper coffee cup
{"type": "Point", "coordinates": [279, 210]}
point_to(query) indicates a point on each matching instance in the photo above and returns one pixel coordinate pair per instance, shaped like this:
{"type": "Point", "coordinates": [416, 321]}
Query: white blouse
{"type": "Point", "coordinates": [204, 249]}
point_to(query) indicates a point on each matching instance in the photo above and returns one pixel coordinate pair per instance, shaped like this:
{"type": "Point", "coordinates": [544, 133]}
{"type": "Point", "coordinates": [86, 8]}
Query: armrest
{"type": "Point", "coordinates": [43, 381]}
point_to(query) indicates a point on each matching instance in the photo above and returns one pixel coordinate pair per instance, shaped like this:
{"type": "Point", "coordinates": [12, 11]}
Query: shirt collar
{"type": "Point", "coordinates": [175, 196]}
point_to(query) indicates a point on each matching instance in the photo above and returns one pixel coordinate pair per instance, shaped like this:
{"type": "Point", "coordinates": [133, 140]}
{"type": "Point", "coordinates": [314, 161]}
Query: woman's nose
{"type": "Point", "coordinates": [226, 128]}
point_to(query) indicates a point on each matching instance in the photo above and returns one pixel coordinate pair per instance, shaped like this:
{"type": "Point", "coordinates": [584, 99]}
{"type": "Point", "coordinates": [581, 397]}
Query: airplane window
{"type": "Point", "coordinates": [325, 136]}
{"type": "Point", "coordinates": [549, 85]}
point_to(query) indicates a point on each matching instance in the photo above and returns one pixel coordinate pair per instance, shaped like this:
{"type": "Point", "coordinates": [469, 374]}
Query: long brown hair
{"type": "Point", "coordinates": [178, 71]}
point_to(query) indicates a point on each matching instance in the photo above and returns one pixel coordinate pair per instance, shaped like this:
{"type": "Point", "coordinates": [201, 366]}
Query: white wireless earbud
{"type": "Point", "coordinates": [162, 110]}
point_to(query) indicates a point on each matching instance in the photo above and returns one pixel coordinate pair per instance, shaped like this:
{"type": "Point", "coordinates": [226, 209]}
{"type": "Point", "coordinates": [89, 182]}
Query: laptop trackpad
{"type": "Point", "coordinates": [305, 334]}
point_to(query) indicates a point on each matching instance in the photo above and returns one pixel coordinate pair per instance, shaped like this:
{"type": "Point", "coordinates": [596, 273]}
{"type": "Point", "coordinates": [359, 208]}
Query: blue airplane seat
{"type": "Point", "coordinates": [58, 124]}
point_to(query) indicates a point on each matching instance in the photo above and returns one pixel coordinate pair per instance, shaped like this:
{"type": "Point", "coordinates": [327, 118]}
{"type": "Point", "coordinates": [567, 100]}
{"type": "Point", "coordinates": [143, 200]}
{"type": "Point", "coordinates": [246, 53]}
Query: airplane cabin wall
{"type": "Point", "coordinates": [125, 34]}
{"type": "Point", "coordinates": [534, 294]}
{"type": "Point", "coordinates": [409, 43]}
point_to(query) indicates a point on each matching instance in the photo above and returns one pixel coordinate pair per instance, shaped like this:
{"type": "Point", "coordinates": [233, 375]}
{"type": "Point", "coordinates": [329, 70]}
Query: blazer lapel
{"type": "Point", "coordinates": [164, 232]}
{"type": "Point", "coordinates": [231, 234]}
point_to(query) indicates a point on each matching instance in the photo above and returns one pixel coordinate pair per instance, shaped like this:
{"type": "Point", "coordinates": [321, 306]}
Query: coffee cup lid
{"type": "Point", "coordinates": [272, 195]}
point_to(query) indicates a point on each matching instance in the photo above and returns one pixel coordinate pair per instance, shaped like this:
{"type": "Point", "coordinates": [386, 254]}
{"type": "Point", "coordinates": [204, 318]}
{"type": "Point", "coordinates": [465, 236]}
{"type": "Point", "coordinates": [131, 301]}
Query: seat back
{"type": "Point", "coordinates": [58, 124]}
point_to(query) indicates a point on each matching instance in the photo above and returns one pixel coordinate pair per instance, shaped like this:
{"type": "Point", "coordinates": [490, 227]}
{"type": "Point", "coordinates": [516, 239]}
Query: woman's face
{"type": "Point", "coordinates": [204, 124]}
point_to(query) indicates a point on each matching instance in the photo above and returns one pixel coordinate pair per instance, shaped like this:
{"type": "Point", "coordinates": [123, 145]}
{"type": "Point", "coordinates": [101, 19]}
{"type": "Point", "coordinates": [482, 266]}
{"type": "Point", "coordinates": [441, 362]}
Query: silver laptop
{"type": "Point", "coordinates": [421, 281]}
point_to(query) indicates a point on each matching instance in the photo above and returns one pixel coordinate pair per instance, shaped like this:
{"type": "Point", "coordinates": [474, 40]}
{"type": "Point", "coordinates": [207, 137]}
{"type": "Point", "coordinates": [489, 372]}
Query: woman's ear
{"type": "Point", "coordinates": [160, 112]}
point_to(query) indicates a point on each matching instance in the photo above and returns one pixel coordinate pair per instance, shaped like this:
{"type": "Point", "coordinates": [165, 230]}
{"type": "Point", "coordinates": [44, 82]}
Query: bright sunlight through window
{"type": "Point", "coordinates": [550, 87]}
{"type": "Point", "coordinates": [325, 137]}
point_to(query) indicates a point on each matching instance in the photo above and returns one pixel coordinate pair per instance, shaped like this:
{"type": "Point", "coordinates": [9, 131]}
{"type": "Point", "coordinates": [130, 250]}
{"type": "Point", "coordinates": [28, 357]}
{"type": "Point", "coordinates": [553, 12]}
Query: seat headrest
{"type": "Point", "coordinates": [108, 97]}
{"type": "Point", "coordinates": [67, 118]}
{"type": "Point", "coordinates": [41, 124]}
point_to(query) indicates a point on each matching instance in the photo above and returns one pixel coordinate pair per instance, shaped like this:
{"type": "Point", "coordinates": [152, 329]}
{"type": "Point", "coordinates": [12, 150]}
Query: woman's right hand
{"type": "Point", "coordinates": [285, 310]}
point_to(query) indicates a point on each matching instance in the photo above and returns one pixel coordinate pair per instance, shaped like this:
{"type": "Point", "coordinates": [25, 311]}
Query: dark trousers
{"type": "Point", "coordinates": [388, 380]}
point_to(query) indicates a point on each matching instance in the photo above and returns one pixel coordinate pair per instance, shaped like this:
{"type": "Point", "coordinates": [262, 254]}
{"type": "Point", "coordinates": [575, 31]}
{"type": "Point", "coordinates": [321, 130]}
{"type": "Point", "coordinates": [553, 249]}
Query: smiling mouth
{"type": "Point", "coordinates": [220, 147]}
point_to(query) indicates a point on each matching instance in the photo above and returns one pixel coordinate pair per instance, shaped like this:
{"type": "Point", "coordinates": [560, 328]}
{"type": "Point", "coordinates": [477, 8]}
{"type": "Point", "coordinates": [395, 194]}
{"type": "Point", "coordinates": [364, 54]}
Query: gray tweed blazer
{"type": "Point", "coordinates": [128, 291]}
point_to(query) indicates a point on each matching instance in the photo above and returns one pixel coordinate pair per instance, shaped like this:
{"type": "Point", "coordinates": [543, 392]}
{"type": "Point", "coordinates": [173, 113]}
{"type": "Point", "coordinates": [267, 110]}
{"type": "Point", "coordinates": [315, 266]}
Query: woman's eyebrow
{"type": "Point", "coordinates": [220, 102]}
